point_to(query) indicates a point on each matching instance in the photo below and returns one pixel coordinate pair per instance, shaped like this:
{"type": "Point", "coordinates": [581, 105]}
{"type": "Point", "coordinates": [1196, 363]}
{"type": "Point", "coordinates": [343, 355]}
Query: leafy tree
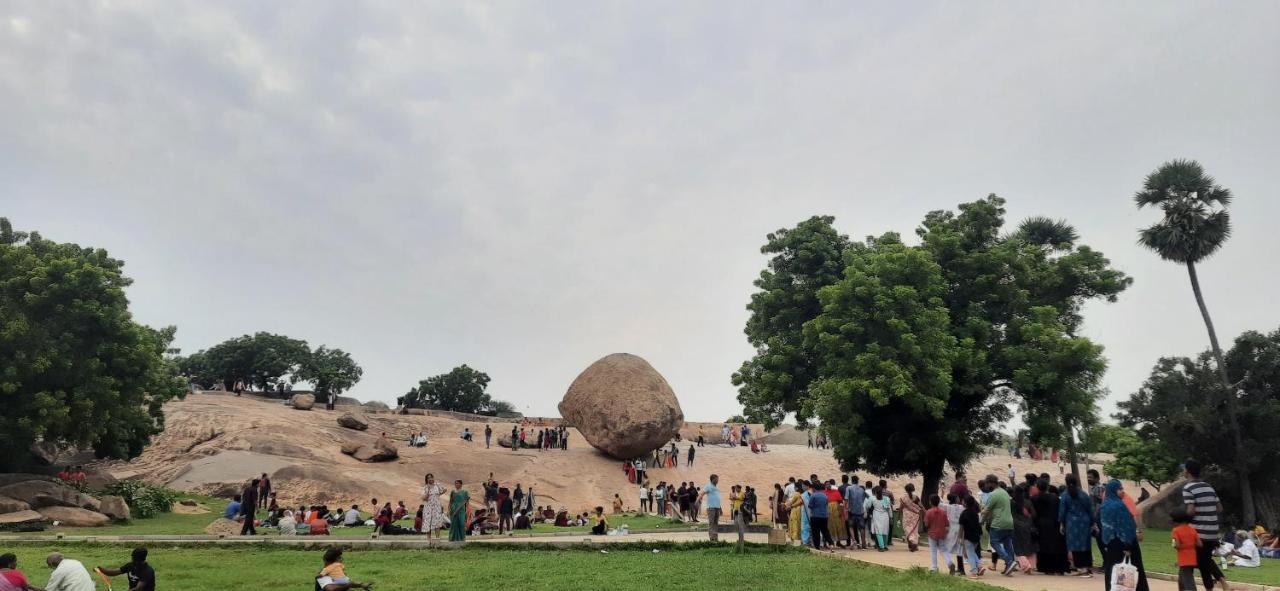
{"type": "Point", "coordinates": [330, 371]}
{"type": "Point", "coordinates": [460, 390]}
{"type": "Point", "coordinates": [501, 408]}
{"type": "Point", "coordinates": [885, 352]}
{"type": "Point", "coordinates": [78, 369]}
{"type": "Point", "coordinates": [262, 360]}
{"type": "Point", "coordinates": [1182, 407]}
{"type": "Point", "coordinates": [1142, 460]}
{"type": "Point", "coordinates": [1195, 225]}
{"type": "Point", "coordinates": [1012, 308]}
{"type": "Point", "coordinates": [736, 419]}
{"type": "Point", "coordinates": [1105, 438]}
{"type": "Point", "coordinates": [775, 382]}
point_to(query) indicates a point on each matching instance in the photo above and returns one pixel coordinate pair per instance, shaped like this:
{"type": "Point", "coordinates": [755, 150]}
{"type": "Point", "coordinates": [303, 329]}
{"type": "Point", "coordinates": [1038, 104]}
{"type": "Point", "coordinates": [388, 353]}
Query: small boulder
{"type": "Point", "coordinates": [381, 450]}
{"type": "Point", "coordinates": [115, 508]}
{"type": "Point", "coordinates": [23, 521]}
{"type": "Point", "coordinates": [303, 401]}
{"type": "Point", "coordinates": [74, 516]}
{"type": "Point", "coordinates": [223, 526]}
{"type": "Point", "coordinates": [353, 421]}
{"type": "Point", "coordinates": [505, 441]}
{"type": "Point", "coordinates": [8, 505]}
{"type": "Point", "coordinates": [45, 452]}
{"type": "Point", "coordinates": [376, 405]}
{"type": "Point", "coordinates": [45, 493]}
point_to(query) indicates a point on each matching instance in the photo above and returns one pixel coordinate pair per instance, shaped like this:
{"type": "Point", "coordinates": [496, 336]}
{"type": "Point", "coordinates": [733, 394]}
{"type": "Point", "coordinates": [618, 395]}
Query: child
{"type": "Point", "coordinates": [333, 577]}
{"type": "Point", "coordinates": [937, 523]}
{"type": "Point", "coordinates": [1185, 541]}
{"type": "Point", "coordinates": [971, 522]}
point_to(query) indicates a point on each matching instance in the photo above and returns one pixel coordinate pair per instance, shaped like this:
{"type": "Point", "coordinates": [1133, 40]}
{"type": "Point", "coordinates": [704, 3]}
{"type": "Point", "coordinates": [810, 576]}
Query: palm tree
{"type": "Point", "coordinates": [1195, 225]}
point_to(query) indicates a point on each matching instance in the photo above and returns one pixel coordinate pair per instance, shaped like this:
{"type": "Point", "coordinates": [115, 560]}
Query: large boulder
{"type": "Point", "coordinates": [46, 452]}
{"type": "Point", "coordinates": [376, 405]}
{"type": "Point", "coordinates": [381, 450]}
{"type": "Point", "coordinates": [303, 401]}
{"type": "Point", "coordinates": [45, 493]}
{"type": "Point", "coordinates": [353, 421]}
{"type": "Point", "coordinates": [115, 508]}
{"type": "Point", "coordinates": [622, 406]}
{"type": "Point", "coordinates": [11, 505]}
{"type": "Point", "coordinates": [23, 521]}
{"type": "Point", "coordinates": [505, 441]}
{"type": "Point", "coordinates": [74, 516]}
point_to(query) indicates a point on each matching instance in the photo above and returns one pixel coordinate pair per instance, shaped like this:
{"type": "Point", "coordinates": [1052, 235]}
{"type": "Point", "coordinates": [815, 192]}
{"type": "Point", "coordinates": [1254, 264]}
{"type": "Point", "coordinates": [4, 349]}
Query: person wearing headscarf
{"type": "Point", "coordinates": [1119, 535]}
{"type": "Point", "coordinates": [1052, 555]}
{"type": "Point", "coordinates": [1075, 512]}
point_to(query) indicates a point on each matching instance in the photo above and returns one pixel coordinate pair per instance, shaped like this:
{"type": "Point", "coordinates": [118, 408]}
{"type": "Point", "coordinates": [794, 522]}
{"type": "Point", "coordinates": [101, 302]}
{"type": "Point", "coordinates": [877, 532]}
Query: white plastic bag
{"type": "Point", "coordinates": [1124, 576]}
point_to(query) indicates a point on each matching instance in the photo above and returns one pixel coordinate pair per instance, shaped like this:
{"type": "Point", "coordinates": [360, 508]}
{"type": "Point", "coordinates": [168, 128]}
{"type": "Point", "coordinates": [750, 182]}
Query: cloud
{"type": "Point", "coordinates": [526, 188]}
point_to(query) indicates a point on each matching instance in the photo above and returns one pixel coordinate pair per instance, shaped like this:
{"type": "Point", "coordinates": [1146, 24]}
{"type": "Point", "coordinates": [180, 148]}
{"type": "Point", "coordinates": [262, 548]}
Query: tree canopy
{"type": "Point", "coordinates": [1181, 409]}
{"type": "Point", "coordinates": [934, 340]}
{"type": "Point", "coordinates": [460, 390]}
{"type": "Point", "coordinates": [330, 371]}
{"type": "Point", "coordinates": [78, 369]}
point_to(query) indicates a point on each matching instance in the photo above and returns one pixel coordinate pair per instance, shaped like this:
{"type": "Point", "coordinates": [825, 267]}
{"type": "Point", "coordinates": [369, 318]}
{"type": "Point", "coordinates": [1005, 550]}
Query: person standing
{"type": "Point", "coordinates": [1075, 512]}
{"type": "Point", "coordinates": [855, 498]}
{"type": "Point", "coordinates": [711, 493]}
{"type": "Point", "coordinates": [689, 461]}
{"type": "Point", "coordinates": [881, 518]}
{"type": "Point", "coordinates": [488, 435]}
{"type": "Point", "coordinates": [264, 490]}
{"type": "Point", "coordinates": [644, 498]}
{"type": "Point", "coordinates": [1052, 557]}
{"type": "Point", "coordinates": [998, 512]}
{"type": "Point", "coordinates": [912, 513]}
{"type": "Point", "coordinates": [141, 576]}
{"type": "Point", "coordinates": [1186, 542]}
{"type": "Point", "coordinates": [938, 525]}
{"type": "Point", "coordinates": [432, 511]}
{"type": "Point", "coordinates": [515, 439]}
{"type": "Point", "coordinates": [1204, 507]}
{"type": "Point", "coordinates": [249, 507]}
{"type": "Point", "coordinates": [458, 499]}
{"type": "Point", "coordinates": [1119, 535]}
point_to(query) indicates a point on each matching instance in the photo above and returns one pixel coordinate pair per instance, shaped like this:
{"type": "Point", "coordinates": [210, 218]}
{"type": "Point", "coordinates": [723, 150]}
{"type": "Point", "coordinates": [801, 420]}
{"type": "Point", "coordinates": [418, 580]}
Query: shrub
{"type": "Point", "coordinates": [145, 500]}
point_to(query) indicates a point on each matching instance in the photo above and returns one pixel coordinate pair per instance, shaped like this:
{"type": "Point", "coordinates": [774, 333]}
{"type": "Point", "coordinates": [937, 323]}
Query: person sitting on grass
{"type": "Point", "coordinates": [1246, 554]}
{"type": "Point", "coordinates": [12, 579]}
{"type": "Point", "coordinates": [602, 524]}
{"type": "Point", "coordinates": [233, 508]}
{"type": "Point", "coordinates": [562, 518]}
{"type": "Point", "coordinates": [548, 515]}
{"type": "Point", "coordinates": [141, 576]}
{"type": "Point", "coordinates": [288, 525]}
{"type": "Point", "coordinates": [522, 521]}
{"type": "Point", "coordinates": [352, 517]}
{"type": "Point", "coordinates": [400, 513]}
{"type": "Point", "coordinates": [617, 504]}
{"type": "Point", "coordinates": [333, 577]}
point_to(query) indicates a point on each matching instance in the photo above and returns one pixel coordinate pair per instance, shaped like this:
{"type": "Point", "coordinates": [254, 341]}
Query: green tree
{"type": "Point", "coordinates": [261, 360]}
{"type": "Point", "coordinates": [77, 368]}
{"type": "Point", "coordinates": [460, 390]}
{"type": "Point", "coordinates": [776, 380]}
{"type": "Point", "coordinates": [1013, 304]}
{"type": "Point", "coordinates": [1143, 460]}
{"type": "Point", "coordinates": [1195, 225]}
{"type": "Point", "coordinates": [884, 351]}
{"type": "Point", "coordinates": [1105, 438]}
{"type": "Point", "coordinates": [736, 419]}
{"type": "Point", "coordinates": [330, 371]}
{"type": "Point", "coordinates": [1183, 407]}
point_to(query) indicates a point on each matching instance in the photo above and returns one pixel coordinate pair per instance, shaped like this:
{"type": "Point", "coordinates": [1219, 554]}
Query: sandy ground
{"type": "Point", "coordinates": [214, 443]}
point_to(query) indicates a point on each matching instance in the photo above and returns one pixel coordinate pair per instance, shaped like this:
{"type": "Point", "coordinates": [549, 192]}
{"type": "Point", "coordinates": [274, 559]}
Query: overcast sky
{"type": "Point", "coordinates": [526, 187]}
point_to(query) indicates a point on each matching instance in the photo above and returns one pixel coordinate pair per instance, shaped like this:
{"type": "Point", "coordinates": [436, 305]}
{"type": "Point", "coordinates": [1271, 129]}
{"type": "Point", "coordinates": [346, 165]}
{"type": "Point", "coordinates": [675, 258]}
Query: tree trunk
{"type": "Point", "coordinates": [932, 473]}
{"type": "Point", "coordinates": [1241, 464]}
{"type": "Point", "coordinates": [1071, 451]}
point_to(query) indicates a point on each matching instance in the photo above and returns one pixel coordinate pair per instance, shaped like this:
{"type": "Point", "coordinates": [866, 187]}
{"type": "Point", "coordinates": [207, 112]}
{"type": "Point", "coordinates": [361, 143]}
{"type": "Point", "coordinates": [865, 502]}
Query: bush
{"type": "Point", "coordinates": [145, 500]}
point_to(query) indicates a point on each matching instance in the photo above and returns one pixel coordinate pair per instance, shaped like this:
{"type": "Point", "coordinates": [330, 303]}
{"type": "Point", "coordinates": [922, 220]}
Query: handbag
{"type": "Point", "coordinates": [1124, 576]}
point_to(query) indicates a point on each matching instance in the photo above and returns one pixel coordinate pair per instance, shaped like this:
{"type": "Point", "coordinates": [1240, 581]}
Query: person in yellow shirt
{"type": "Point", "coordinates": [333, 577]}
{"type": "Point", "coordinates": [735, 500]}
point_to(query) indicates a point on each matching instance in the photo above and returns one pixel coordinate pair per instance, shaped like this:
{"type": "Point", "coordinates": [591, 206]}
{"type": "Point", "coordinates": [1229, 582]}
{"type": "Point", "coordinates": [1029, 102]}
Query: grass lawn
{"type": "Point", "coordinates": [486, 566]}
{"type": "Point", "coordinates": [1158, 555]}
{"type": "Point", "coordinates": [176, 524]}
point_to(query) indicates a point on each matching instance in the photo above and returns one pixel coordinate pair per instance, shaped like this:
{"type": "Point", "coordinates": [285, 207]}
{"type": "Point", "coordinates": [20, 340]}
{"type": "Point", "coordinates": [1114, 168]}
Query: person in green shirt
{"type": "Point", "coordinates": [458, 499]}
{"type": "Point", "coordinates": [998, 514]}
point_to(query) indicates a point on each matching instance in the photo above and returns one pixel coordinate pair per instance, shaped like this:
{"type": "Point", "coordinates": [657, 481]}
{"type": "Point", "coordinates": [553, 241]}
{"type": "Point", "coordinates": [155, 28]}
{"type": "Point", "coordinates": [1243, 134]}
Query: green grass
{"type": "Point", "coordinates": [191, 525]}
{"type": "Point", "coordinates": [1158, 555]}
{"type": "Point", "coordinates": [488, 566]}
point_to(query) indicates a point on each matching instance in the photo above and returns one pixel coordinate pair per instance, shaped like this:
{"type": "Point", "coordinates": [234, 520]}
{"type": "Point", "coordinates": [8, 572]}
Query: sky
{"type": "Point", "coordinates": [525, 187]}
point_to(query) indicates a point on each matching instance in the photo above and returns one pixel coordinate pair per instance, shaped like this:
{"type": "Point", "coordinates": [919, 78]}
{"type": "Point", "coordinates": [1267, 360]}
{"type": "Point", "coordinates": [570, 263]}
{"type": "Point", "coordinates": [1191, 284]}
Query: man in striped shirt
{"type": "Point", "coordinates": [1204, 508]}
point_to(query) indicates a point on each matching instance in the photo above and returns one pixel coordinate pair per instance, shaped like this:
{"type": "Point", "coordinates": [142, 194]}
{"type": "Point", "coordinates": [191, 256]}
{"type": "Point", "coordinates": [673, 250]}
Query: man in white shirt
{"type": "Point", "coordinates": [352, 517]}
{"type": "Point", "coordinates": [68, 575]}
